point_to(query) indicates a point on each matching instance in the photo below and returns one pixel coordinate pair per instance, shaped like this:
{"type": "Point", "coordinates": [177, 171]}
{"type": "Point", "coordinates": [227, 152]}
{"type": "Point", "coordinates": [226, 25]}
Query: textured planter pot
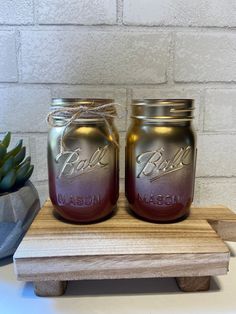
{"type": "Point", "coordinates": [17, 211]}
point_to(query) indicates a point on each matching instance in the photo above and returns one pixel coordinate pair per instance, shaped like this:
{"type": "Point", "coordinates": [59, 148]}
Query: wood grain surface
{"type": "Point", "coordinates": [125, 247]}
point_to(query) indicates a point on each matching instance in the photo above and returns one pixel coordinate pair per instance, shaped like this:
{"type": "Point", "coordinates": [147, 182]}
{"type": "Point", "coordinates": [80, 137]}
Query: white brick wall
{"type": "Point", "coordinates": [217, 191]}
{"type": "Point", "coordinates": [76, 12]}
{"type": "Point", "coordinates": [16, 12]}
{"type": "Point", "coordinates": [25, 108]}
{"type": "Point", "coordinates": [220, 110]}
{"type": "Point", "coordinates": [8, 57]}
{"type": "Point", "coordinates": [216, 155]}
{"type": "Point", "coordinates": [124, 49]}
{"type": "Point", "coordinates": [180, 12]}
{"type": "Point", "coordinates": [94, 57]}
{"type": "Point", "coordinates": [205, 57]}
{"type": "Point", "coordinates": [38, 150]}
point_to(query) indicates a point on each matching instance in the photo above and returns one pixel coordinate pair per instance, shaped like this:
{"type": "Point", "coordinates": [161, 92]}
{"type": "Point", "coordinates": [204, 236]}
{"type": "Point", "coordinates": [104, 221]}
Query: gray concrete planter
{"type": "Point", "coordinates": [17, 211]}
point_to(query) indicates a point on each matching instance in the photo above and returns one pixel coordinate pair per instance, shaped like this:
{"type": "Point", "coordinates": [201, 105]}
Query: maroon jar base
{"type": "Point", "coordinates": [92, 217]}
{"type": "Point", "coordinates": [160, 219]}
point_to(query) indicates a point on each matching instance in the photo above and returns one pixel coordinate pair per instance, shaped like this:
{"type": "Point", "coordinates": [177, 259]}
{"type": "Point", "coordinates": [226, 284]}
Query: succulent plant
{"type": "Point", "coordinates": [15, 169]}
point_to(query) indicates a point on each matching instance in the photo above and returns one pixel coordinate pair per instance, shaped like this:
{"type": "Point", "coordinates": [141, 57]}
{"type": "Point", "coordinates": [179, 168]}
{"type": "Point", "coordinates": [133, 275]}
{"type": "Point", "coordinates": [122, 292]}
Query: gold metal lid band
{"type": "Point", "coordinates": [164, 110]}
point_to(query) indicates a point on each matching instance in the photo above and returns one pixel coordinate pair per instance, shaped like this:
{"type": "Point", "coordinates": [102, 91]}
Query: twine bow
{"type": "Point", "coordinates": [69, 115]}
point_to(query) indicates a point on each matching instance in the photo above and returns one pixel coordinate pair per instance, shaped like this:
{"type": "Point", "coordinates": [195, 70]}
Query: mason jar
{"type": "Point", "coordinates": [161, 159]}
{"type": "Point", "coordinates": [83, 165]}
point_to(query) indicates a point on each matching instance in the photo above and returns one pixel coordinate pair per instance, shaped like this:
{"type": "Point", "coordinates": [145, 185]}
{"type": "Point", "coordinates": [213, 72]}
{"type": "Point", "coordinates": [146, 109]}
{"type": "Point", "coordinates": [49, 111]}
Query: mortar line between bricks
{"type": "Point", "coordinates": [19, 68]}
{"type": "Point", "coordinates": [119, 85]}
{"type": "Point", "coordinates": [66, 85]}
{"type": "Point", "coordinates": [165, 85]}
{"type": "Point", "coordinates": [119, 27]}
{"type": "Point", "coordinates": [171, 60]}
{"type": "Point", "coordinates": [209, 133]}
{"type": "Point", "coordinates": [129, 101]}
{"type": "Point", "coordinates": [131, 85]}
{"type": "Point", "coordinates": [35, 4]}
{"type": "Point", "coordinates": [203, 83]}
{"type": "Point", "coordinates": [203, 120]}
{"type": "Point", "coordinates": [41, 181]}
{"type": "Point", "coordinates": [190, 84]}
{"type": "Point", "coordinates": [119, 11]}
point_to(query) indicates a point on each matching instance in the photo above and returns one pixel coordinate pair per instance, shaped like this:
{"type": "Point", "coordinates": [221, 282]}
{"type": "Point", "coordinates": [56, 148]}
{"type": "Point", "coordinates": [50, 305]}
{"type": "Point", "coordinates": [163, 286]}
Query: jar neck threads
{"type": "Point", "coordinates": [163, 110]}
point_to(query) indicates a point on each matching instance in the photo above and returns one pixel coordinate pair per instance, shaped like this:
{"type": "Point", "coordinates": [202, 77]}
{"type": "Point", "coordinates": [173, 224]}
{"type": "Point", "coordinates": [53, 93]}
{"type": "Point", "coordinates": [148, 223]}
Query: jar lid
{"type": "Point", "coordinates": [72, 102]}
{"type": "Point", "coordinates": [165, 110]}
{"type": "Point", "coordinates": [87, 108]}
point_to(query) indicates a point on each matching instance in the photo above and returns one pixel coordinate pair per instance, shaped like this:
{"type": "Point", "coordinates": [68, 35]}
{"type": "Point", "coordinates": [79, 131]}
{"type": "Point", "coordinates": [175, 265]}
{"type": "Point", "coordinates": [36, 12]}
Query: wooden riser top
{"type": "Point", "coordinates": [125, 247]}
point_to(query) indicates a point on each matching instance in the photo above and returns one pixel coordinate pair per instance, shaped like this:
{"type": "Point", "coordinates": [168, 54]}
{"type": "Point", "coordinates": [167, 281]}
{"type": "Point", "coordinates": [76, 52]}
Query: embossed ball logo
{"type": "Point", "coordinates": [74, 165]}
{"type": "Point", "coordinates": [154, 164]}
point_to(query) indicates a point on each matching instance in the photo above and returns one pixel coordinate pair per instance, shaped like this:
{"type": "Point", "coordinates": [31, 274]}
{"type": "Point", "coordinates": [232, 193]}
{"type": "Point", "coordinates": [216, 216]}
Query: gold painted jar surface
{"type": "Point", "coordinates": [83, 165]}
{"type": "Point", "coordinates": [160, 159]}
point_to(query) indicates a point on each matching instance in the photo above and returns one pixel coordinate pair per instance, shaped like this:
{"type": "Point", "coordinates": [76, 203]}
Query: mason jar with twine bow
{"type": "Point", "coordinates": [83, 158]}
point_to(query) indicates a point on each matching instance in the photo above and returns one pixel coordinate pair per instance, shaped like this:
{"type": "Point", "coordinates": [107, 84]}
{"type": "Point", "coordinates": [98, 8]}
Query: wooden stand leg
{"type": "Point", "coordinates": [193, 284]}
{"type": "Point", "coordinates": [49, 288]}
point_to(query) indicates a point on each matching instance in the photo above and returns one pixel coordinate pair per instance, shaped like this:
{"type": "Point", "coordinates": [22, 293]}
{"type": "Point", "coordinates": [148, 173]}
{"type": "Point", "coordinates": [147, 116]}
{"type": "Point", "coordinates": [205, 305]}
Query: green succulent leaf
{"type": "Point", "coordinates": [26, 176]}
{"type": "Point", "coordinates": [29, 172]}
{"type": "Point", "coordinates": [19, 156]}
{"type": "Point", "coordinates": [16, 149]}
{"type": "Point", "coordinates": [8, 181]}
{"type": "Point", "coordinates": [3, 151]}
{"type": "Point", "coordinates": [15, 169]}
{"type": "Point", "coordinates": [28, 159]}
{"type": "Point", "coordinates": [22, 171]}
{"type": "Point", "coordinates": [6, 140]}
{"type": "Point", "coordinates": [8, 165]}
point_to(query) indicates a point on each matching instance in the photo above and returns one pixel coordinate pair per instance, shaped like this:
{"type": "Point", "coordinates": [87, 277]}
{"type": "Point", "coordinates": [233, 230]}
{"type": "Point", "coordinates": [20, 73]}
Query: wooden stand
{"type": "Point", "coordinates": [54, 251]}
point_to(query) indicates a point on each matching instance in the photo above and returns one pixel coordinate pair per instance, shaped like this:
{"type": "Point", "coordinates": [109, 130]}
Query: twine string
{"type": "Point", "coordinates": [70, 114]}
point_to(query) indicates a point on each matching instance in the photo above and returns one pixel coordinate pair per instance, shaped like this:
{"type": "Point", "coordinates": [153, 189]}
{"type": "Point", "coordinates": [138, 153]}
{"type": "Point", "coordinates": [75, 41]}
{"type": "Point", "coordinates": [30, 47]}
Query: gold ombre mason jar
{"type": "Point", "coordinates": [160, 159]}
{"type": "Point", "coordinates": [83, 158]}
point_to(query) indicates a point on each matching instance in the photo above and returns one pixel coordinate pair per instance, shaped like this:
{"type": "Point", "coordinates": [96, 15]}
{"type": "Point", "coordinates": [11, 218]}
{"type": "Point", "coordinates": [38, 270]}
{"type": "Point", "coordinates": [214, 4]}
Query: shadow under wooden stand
{"type": "Point", "coordinates": [54, 252]}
